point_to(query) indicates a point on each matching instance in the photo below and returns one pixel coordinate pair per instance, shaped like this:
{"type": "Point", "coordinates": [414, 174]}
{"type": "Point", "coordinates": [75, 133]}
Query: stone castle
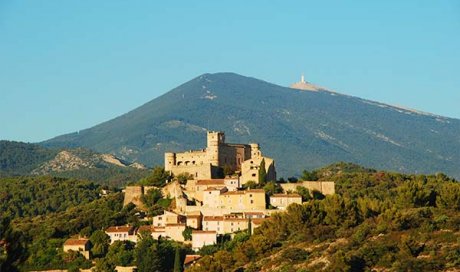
{"type": "Point", "coordinates": [219, 157]}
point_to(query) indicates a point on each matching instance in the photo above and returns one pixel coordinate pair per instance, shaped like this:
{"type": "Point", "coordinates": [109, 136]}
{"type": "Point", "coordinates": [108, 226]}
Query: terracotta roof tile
{"type": "Point", "coordinates": [119, 229]}
{"type": "Point", "coordinates": [191, 258]}
{"type": "Point", "coordinates": [286, 195]}
{"type": "Point", "coordinates": [210, 182]}
{"type": "Point", "coordinates": [76, 242]}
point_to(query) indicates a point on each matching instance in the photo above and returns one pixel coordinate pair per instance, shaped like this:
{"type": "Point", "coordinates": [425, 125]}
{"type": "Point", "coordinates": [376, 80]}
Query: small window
{"type": "Point", "coordinates": [252, 201]}
{"type": "Point", "coordinates": [253, 175]}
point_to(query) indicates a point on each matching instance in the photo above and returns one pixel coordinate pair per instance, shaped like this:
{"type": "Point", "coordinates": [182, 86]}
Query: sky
{"type": "Point", "coordinates": [69, 65]}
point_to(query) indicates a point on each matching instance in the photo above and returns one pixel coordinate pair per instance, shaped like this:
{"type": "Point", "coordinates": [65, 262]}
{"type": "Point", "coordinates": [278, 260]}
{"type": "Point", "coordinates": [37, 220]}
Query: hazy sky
{"type": "Point", "coordinates": [69, 65]}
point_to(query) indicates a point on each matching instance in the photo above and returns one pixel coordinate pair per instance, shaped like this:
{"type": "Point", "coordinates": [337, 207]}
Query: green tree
{"type": "Point", "coordinates": [187, 233]}
{"type": "Point", "coordinates": [177, 261]}
{"type": "Point", "coordinates": [147, 254]}
{"type": "Point", "coordinates": [159, 177]}
{"type": "Point", "coordinates": [262, 172]}
{"type": "Point", "coordinates": [310, 176]}
{"type": "Point", "coordinates": [100, 243]}
{"type": "Point", "coordinates": [304, 193]}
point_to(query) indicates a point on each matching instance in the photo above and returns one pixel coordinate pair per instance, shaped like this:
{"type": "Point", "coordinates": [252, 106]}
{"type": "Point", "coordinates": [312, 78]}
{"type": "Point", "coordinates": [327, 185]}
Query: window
{"type": "Point", "coordinates": [252, 201]}
{"type": "Point", "coordinates": [250, 195]}
{"type": "Point", "coordinates": [253, 175]}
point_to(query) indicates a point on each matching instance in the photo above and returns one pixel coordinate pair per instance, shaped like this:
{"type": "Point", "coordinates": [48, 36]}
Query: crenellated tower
{"type": "Point", "coordinates": [215, 139]}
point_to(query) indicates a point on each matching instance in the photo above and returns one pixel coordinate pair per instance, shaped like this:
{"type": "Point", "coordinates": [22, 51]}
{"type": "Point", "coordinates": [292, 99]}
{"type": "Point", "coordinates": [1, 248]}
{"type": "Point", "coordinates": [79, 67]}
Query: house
{"type": "Point", "coordinates": [174, 231]}
{"type": "Point", "coordinates": [253, 199]}
{"type": "Point", "coordinates": [213, 223]}
{"type": "Point", "coordinates": [167, 218]}
{"type": "Point", "coordinates": [234, 224]}
{"type": "Point", "coordinates": [190, 260]}
{"type": "Point", "coordinates": [257, 222]}
{"type": "Point", "coordinates": [202, 238]}
{"type": "Point", "coordinates": [121, 233]}
{"type": "Point", "coordinates": [81, 245]}
{"type": "Point", "coordinates": [211, 196]}
{"type": "Point", "coordinates": [194, 221]}
{"type": "Point", "coordinates": [283, 200]}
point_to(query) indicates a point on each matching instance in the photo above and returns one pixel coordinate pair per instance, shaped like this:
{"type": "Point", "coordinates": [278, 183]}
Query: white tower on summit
{"type": "Point", "coordinates": [305, 86]}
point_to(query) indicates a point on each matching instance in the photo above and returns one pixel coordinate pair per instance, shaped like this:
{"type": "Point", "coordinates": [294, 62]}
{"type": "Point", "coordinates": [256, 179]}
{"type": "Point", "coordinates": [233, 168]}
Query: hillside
{"type": "Point", "coordinates": [299, 129]}
{"type": "Point", "coordinates": [377, 221]}
{"type": "Point", "coordinates": [24, 159]}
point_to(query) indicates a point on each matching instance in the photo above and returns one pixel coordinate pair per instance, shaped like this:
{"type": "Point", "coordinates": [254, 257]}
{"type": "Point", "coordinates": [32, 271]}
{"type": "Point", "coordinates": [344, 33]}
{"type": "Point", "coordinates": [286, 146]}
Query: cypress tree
{"type": "Point", "coordinates": [177, 262]}
{"type": "Point", "coordinates": [262, 172]}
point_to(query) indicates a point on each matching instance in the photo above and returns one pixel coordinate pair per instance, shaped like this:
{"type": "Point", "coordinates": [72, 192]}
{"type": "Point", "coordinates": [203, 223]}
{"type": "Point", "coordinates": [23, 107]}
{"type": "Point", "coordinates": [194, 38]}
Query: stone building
{"type": "Point", "coordinates": [80, 245]}
{"type": "Point", "coordinates": [218, 156]}
{"type": "Point", "coordinates": [281, 201]}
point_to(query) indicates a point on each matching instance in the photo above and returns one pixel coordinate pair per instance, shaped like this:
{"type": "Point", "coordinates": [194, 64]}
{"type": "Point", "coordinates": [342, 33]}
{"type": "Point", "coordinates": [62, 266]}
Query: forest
{"type": "Point", "coordinates": [376, 220]}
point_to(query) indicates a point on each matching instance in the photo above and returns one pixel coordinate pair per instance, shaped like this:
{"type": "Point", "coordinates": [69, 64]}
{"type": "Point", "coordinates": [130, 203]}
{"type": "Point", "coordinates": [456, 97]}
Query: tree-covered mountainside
{"type": "Point", "coordinates": [32, 196]}
{"type": "Point", "coordinates": [299, 129]}
{"type": "Point", "coordinates": [25, 159]}
{"type": "Point", "coordinates": [17, 158]}
{"type": "Point", "coordinates": [377, 221]}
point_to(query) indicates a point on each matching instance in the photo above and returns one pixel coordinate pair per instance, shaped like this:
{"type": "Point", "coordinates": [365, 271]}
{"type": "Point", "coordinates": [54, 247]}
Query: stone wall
{"type": "Point", "coordinates": [324, 187]}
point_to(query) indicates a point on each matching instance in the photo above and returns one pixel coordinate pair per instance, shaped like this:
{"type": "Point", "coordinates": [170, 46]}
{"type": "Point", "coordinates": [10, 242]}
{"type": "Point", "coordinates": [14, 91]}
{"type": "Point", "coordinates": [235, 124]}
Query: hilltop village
{"type": "Point", "coordinates": [214, 200]}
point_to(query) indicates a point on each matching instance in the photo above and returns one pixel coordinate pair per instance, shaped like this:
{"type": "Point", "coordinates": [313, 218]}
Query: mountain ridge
{"type": "Point", "coordinates": [299, 129]}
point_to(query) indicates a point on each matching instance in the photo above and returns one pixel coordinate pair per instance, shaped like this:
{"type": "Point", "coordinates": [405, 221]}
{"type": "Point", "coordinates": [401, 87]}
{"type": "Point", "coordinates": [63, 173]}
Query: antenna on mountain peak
{"type": "Point", "coordinates": [302, 79]}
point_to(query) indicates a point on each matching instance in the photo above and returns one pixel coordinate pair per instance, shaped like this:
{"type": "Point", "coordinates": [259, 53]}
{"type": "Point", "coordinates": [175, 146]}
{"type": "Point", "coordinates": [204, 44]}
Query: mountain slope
{"type": "Point", "coordinates": [24, 159]}
{"type": "Point", "coordinates": [299, 129]}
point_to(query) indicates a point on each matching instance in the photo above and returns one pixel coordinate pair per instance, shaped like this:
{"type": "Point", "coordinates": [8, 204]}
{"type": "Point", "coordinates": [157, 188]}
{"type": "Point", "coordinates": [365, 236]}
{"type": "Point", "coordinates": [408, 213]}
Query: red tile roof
{"type": "Point", "coordinates": [258, 221]}
{"type": "Point", "coordinates": [210, 182]}
{"type": "Point", "coordinates": [203, 231]}
{"type": "Point", "coordinates": [191, 258]}
{"type": "Point", "coordinates": [119, 229]}
{"type": "Point", "coordinates": [213, 218]}
{"type": "Point", "coordinates": [76, 242]}
{"type": "Point", "coordinates": [286, 195]}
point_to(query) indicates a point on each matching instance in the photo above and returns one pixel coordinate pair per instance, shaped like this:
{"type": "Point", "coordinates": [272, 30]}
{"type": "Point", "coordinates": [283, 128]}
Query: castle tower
{"type": "Point", "coordinates": [215, 138]}
{"type": "Point", "coordinates": [170, 160]}
{"type": "Point", "coordinates": [255, 150]}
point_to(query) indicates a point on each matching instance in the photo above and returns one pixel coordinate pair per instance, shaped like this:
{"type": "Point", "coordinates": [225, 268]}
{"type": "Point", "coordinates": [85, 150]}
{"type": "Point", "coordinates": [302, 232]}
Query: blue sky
{"type": "Point", "coordinates": [69, 65]}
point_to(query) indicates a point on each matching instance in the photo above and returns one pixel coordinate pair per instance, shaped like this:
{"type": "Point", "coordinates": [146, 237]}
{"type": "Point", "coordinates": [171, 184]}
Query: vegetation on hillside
{"type": "Point", "coordinates": [377, 220]}
{"type": "Point", "coordinates": [32, 196]}
{"type": "Point", "coordinates": [18, 158]}
{"type": "Point", "coordinates": [25, 159]}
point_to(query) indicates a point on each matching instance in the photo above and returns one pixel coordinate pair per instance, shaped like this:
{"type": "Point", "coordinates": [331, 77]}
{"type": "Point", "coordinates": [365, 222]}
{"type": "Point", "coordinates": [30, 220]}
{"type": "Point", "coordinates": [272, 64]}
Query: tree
{"type": "Point", "coordinates": [151, 197]}
{"type": "Point", "coordinates": [272, 188]}
{"type": "Point", "coordinates": [147, 254]}
{"type": "Point", "coordinates": [310, 176]}
{"type": "Point", "coordinates": [304, 193]}
{"type": "Point", "coordinates": [158, 177]}
{"type": "Point", "coordinates": [187, 233]}
{"type": "Point", "coordinates": [177, 261]}
{"type": "Point", "coordinates": [100, 241]}
{"type": "Point", "coordinates": [183, 177]}
{"type": "Point", "coordinates": [262, 172]}
{"type": "Point", "coordinates": [250, 184]}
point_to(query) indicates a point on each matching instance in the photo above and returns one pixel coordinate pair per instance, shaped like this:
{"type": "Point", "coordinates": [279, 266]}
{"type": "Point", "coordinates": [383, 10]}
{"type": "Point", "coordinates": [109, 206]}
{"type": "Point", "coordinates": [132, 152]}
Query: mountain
{"type": "Point", "coordinates": [300, 129]}
{"type": "Point", "coordinates": [24, 159]}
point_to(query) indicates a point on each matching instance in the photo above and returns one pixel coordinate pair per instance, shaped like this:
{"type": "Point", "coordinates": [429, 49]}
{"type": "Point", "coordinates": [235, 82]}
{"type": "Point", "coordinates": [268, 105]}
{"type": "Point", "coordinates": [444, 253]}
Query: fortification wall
{"type": "Point", "coordinates": [325, 187]}
{"type": "Point", "coordinates": [198, 171]}
{"type": "Point", "coordinates": [133, 194]}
